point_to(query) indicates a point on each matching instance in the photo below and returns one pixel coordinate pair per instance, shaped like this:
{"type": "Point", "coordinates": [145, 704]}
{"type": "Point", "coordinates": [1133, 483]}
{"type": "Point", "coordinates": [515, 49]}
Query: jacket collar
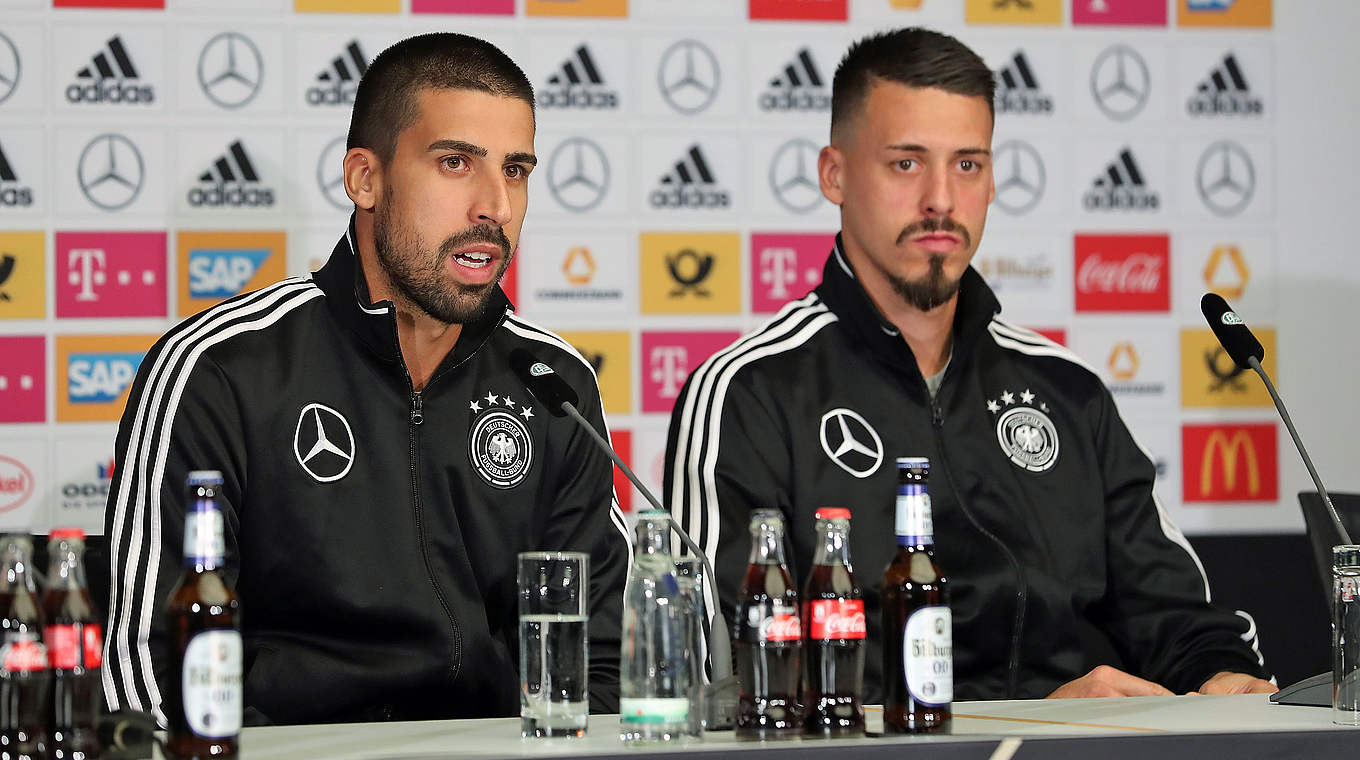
{"type": "Point", "coordinates": [843, 293]}
{"type": "Point", "coordinates": [375, 324]}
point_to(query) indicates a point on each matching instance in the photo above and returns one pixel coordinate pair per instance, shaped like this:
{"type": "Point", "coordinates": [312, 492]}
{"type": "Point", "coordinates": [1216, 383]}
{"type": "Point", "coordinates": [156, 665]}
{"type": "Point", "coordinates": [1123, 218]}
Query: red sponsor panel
{"type": "Point", "coordinates": [510, 280]}
{"type": "Point", "coordinates": [668, 358]}
{"type": "Point", "coordinates": [483, 7]}
{"type": "Point", "coordinates": [23, 378]}
{"type": "Point", "coordinates": [1228, 462]}
{"type": "Point", "coordinates": [785, 266]}
{"type": "Point", "coordinates": [799, 10]}
{"type": "Point", "coordinates": [1056, 334]}
{"type": "Point", "coordinates": [623, 488]}
{"type": "Point", "coordinates": [111, 274]}
{"type": "Point", "coordinates": [1119, 13]}
{"type": "Point", "coordinates": [153, 4]}
{"type": "Point", "coordinates": [1122, 272]}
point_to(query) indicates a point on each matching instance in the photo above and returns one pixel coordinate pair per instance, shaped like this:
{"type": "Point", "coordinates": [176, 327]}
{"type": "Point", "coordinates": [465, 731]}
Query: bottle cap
{"type": "Point", "coordinates": [66, 534]}
{"type": "Point", "coordinates": [832, 513]}
{"type": "Point", "coordinates": [1346, 555]}
{"type": "Point", "coordinates": [913, 462]}
{"type": "Point", "coordinates": [205, 478]}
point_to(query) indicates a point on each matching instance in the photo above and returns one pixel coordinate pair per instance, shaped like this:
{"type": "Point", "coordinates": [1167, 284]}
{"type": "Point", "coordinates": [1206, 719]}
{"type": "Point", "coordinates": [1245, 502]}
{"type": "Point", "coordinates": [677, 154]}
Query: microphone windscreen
{"type": "Point", "coordinates": [546, 385]}
{"type": "Point", "coordinates": [1231, 331]}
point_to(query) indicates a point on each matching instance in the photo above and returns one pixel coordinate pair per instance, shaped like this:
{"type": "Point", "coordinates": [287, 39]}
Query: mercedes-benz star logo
{"type": "Point", "coordinates": [323, 443]}
{"type": "Point", "coordinates": [1226, 178]}
{"type": "Point", "coordinates": [578, 174]}
{"type": "Point", "coordinates": [851, 442]}
{"type": "Point", "coordinates": [110, 171]}
{"type": "Point", "coordinates": [9, 67]}
{"type": "Point", "coordinates": [688, 76]}
{"type": "Point", "coordinates": [793, 175]}
{"type": "Point", "coordinates": [230, 70]}
{"type": "Point", "coordinates": [1120, 82]}
{"type": "Point", "coordinates": [1020, 177]}
{"type": "Point", "coordinates": [330, 174]}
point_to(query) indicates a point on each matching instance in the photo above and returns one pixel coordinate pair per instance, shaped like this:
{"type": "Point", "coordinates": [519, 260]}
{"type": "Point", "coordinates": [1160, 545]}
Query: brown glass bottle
{"type": "Point", "coordinates": [75, 646]}
{"type": "Point", "coordinates": [918, 665]}
{"type": "Point", "coordinates": [203, 703]}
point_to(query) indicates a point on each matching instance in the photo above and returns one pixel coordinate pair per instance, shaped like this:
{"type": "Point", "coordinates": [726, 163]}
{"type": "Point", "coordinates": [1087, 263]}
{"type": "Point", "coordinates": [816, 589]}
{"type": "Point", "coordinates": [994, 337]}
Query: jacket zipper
{"type": "Point", "coordinates": [417, 416]}
{"type": "Point", "coordinates": [1022, 584]}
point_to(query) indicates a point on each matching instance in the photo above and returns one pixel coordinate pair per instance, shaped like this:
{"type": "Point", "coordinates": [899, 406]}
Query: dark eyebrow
{"type": "Point", "coordinates": [522, 158]}
{"type": "Point", "coordinates": [463, 146]}
{"type": "Point", "coordinates": [912, 148]}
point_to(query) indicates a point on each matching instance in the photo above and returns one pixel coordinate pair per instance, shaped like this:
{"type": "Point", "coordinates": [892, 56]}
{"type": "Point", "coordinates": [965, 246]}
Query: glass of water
{"type": "Point", "coordinates": [553, 652]}
{"type": "Point", "coordinates": [1346, 635]}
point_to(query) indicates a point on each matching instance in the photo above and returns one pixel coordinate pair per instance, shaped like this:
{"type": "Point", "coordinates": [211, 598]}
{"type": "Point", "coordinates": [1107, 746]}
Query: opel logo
{"type": "Point", "coordinates": [1225, 178]}
{"type": "Point", "coordinates": [1021, 182]}
{"type": "Point", "coordinates": [323, 443]}
{"type": "Point", "coordinates": [330, 174]}
{"type": "Point", "coordinates": [793, 175]}
{"type": "Point", "coordinates": [851, 442]}
{"type": "Point", "coordinates": [9, 68]}
{"type": "Point", "coordinates": [1120, 82]}
{"type": "Point", "coordinates": [578, 174]}
{"type": "Point", "coordinates": [230, 70]}
{"type": "Point", "coordinates": [110, 171]}
{"type": "Point", "coordinates": [688, 76]}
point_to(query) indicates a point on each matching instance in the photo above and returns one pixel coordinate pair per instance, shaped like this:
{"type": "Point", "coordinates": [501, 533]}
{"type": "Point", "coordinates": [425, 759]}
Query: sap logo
{"type": "Point", "coordinates": [100, 378]}
{"type": "Point", "coordinates": [1209, 5]}
{"type": "Point", "coordinates": [222, 272]}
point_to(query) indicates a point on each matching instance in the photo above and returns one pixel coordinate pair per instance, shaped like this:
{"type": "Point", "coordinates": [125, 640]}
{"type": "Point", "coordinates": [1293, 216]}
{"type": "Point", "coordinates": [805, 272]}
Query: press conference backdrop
{"type": "Point", "coordinates": [158, 156]}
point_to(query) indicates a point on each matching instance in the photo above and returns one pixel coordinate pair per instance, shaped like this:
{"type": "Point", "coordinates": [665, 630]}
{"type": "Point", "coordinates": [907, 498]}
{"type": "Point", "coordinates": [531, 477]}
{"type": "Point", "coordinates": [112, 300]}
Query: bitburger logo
{"type": "Point", "coordinates": [110, 79]}
{"type": "Point", "coordinates": [690, 184]}
{"type": "Point", "coordinates": [231, 181]}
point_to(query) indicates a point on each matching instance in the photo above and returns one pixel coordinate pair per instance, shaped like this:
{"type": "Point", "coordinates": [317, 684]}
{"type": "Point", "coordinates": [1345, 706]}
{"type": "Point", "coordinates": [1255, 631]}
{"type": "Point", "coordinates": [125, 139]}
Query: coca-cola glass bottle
{"type": "Point", "coordinates": [75, 645]}
{"type": "Point", "coordinates": [24, 678]}
{"type": "Point", "coordinates": [769, 637]}
{"type": "Point", "coordinates": [833, 615]}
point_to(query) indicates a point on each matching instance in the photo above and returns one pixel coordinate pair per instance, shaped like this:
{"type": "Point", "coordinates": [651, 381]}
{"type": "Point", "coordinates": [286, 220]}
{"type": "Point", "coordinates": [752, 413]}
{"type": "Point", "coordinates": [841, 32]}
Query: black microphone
{"type": "Point", "coordinates": [126, 734]}
{"type": "Point", "coordinates": [553, 392]}
{"type": "Point", "coordinates": [1231, 331]}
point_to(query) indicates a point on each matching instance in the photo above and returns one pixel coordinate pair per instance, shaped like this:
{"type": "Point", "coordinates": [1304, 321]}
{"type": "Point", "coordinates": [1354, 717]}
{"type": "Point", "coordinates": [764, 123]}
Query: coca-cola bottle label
{"type": "Point", "coordinates": [75, 645]}
{"type": "Point", "coordinates": [835, 619]}
{"type": "Point", "coordinates": [775, 621]}
{"type": "Point", "coordinates": [646, 710]}
{"type": "Point", "coordinates": [928, 655]}
{"type": "Point", "coordinates": [211, 682]}
{"type": "Point", "coordinates": [913, 524]}
{"type": "Point", "coordinates": [23, 652]}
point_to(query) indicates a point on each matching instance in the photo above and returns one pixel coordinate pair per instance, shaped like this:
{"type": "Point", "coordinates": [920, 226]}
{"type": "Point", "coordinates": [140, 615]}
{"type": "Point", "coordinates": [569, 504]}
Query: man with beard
{"type": "Point", "coordinates": [382, 463]}
{"type": "Point", "coordinates": [1067, 577]}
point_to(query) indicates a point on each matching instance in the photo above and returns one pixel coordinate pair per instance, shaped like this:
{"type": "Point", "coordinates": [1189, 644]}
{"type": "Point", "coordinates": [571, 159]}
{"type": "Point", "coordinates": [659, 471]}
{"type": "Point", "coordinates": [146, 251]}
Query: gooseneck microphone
{"type": "Point", "coordinates": [557, 395]}
{"type": "Point", "coordinates": [1246, 351]}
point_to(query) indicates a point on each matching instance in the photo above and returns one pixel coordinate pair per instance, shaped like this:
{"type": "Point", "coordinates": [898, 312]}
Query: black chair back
{"type": "Point", "coordinates": [1323, 535]}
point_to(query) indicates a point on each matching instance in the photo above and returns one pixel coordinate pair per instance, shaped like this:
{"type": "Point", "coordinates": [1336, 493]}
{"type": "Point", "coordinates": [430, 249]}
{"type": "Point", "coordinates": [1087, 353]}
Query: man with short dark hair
{"type": "Point", "coordinates": [382, 463]}
{"type": "Point", "coordinates": [1067, 577]}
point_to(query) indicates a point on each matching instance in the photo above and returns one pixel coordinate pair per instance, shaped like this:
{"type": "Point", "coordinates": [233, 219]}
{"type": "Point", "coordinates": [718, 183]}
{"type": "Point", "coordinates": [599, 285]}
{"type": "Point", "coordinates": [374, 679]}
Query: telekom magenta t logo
{"type": "Point", "coordinates": [111, 274]}
{"type": "Point", "coordinates": [669, 357]}
{"type": "Point", "coordinates": [23, 378]}
{"type": "Point", "coordinates": [785, 266]}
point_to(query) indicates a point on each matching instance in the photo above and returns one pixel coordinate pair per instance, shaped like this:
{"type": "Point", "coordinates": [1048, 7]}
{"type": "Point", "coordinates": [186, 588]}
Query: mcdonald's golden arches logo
{"type": "Point", "coordinates": [1229, 463]}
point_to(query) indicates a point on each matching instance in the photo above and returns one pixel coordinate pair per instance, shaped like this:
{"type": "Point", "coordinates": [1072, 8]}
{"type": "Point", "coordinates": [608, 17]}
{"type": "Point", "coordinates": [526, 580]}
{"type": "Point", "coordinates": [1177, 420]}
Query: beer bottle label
{"type": "Point", "coordinates": [203, 537]}
{"type": "Point", "coordinates": [913, 524]}
{"type": "Point", "coordinates": [776, 620]}
{"type": "Point", "coordinates": [23, 652]}
{"type": "Point", "coordinates": [645, 710]}
{"type": "Point", "coordinates": [74, 645]}
{"type": "Point", "coordinates": [835, 619]}
{"type": "Point", "coordinates": [928, 655]}
{"type": "Point", "coordinates": [211, 682]}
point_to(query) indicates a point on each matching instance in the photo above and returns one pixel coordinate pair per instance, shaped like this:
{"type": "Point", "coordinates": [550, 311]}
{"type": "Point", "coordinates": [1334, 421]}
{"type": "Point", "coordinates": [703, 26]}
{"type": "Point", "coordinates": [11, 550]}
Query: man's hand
{"type": "Point", "coordinates": [1227, 682]}
{"type": "Point", "coordinates": [1105, 681]}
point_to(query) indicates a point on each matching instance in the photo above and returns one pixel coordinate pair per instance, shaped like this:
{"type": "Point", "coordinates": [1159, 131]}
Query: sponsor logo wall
{"type": "Point", "coordinates": [158, 158]}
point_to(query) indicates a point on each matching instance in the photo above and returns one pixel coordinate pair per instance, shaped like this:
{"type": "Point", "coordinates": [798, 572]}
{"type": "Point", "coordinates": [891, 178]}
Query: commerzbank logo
{"type": "Point", "coordinates": [1225, 463]}
{"type": "Point", "coordinates": [1226, 272]}
{"type": "Point", "coordinates": [110, 78]}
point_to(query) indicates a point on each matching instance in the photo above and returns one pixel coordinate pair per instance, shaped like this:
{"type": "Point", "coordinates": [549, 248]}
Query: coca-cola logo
{"type": "Point", "coordinates": [781, 628]}
{"type": "Point", "coordinates": [23, 655]}
{"type": "Point", "coordinates": [837, 619]}
{"type": "Point", "coordinates": [16, 484]}
{"type": "Point", "coordinates": [1122, 273]}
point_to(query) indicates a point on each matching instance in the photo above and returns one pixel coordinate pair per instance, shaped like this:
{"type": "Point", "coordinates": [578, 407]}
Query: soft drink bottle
{"type": "Point", "coordinates": [75, 644]}
{"type": "Point", "coordinates": [833, 615]}
{"type": "Point", "coordinates": [769, 637]}
{"type": "Point", "coordinates": [24, 678]}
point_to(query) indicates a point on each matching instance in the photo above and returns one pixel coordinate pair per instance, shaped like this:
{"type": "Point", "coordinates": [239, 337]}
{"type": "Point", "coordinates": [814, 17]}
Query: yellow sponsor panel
{"type": "Point", "coordinates": [607, 8]}
{"type": "Point", "coordinates": [611, 355]}
{"type": "Point", "coordinates": [347, 6]}
{"type": "Point", "coordinates": [904, 5]}
{"type": "Point", "coordinates": [94, 375]}
{"type": "Point", "coordinates": [1047, 12]}
{"type": "Point", "coordinates": [23, 282]}
{"type": "Point", "coordinates": [215, 266]}
{"type": "Point", "coordinates": [690, 273]}
{"type": "Point", "coordinates": [1209, 378]}
{"type": "Point", "coordinates": [1236, 13]}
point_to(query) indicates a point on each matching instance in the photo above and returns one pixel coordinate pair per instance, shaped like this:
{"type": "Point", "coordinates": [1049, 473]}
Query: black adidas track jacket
{"type": "Point", "coordinates": [1059, 555]}
{"type": "Point", "coordinates": [371, 531]}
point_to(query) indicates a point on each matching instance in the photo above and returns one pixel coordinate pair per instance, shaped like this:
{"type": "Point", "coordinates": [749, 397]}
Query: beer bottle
{"type": "Point", "coordinates": [203, 695]}
{"type": "Point", "coordinates": [75, 647]}
{"type": "Point", "coordinates": [918, 663]}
